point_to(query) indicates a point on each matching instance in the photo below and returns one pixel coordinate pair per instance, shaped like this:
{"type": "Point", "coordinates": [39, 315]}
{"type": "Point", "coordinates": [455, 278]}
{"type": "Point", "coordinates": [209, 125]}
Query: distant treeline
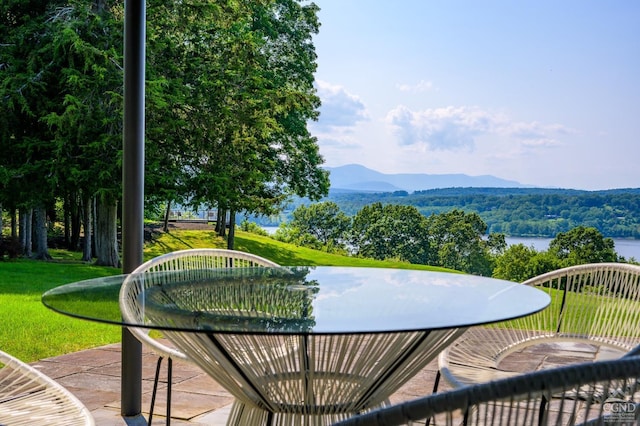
{"type": "Point", "coordinates": [517, 212]}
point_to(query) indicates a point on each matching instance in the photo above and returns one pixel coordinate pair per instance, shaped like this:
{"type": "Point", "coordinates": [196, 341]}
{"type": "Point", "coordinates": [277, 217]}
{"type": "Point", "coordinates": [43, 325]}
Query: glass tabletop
{"type": "Point", "coordinates": [313, 300]}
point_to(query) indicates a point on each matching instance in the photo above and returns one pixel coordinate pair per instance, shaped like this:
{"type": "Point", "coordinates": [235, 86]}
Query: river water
{"type": "Point", "coordinates": [626, 248]}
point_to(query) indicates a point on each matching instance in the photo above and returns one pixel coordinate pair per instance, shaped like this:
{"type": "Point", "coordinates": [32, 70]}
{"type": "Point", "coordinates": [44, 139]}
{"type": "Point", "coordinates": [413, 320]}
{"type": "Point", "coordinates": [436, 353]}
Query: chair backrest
{"type": "Point", "coordinates": [29, 397]}
{"type": "Point", "coordinates": [600, 301]}
{"type": "Point", "coordinates": [203, 259]}
{"type": "Point", "coordinates": [597, 303]}
{"type": "Point", "coordinates": [605, 392]}
{"type": "Point", "coordinates": [185, 264]}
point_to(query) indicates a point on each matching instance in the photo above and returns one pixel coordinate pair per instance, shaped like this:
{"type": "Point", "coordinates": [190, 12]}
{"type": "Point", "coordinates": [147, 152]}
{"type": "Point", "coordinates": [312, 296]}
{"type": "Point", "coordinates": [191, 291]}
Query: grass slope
{"type": "Point", "coordinates": [282, 253]}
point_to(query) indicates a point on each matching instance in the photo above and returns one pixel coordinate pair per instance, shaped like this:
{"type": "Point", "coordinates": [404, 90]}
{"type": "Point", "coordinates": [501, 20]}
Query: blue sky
{"type": "Point", "coordinates": [546, 93]}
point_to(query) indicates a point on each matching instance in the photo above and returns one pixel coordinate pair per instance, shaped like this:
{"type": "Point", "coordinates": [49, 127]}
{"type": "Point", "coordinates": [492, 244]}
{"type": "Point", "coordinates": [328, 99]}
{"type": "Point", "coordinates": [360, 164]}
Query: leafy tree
{"type": "Point", "coordinates": [391, 231]}
{"type": "Point", "coordinates": [457, 238]}
{"type": "Point", "coordinates": [230, 94]}
{"type": "Point", "coordinates": [514, 263]}
{"type": "Point", "coordinates": [88, 131]}
{"type": "Point", "coordinates": [289, 234]}
{"type": "Point", "coordinates": [325, 222]}
{"type": "Point", "coordinates": [577, 246]}
{"type": "Point", "coordinates": [253, 228]}
{"type": "Point", "coordinates": [29, 89]}
{"type": "Point", "coordinates": [58, 57]}
{"type": "Point", "coordinates": [582, 245]}
{"type": "Point", "coordinates": [496, 243]}
{"type": "Point", "coordinates": [542, 262]}
{"type": "Point", "coordinates": [180, 46]}
{"type": "Point", "coordinates": [243, 72]}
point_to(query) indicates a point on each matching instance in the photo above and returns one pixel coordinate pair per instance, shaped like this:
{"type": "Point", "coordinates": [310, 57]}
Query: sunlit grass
{"type": "Point", "coordinates": [29, 330]}
{"type": "Point", "coordinates": [281, 253]}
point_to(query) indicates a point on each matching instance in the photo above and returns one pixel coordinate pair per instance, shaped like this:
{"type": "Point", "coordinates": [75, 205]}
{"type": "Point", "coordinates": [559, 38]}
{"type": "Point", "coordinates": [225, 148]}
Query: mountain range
{"type": "Point", "coordinates": [358, 178]}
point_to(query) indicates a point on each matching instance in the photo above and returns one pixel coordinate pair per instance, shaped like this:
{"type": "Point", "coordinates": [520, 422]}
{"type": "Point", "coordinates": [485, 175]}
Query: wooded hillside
{"type": "Point", "coordinates": [521, 212]}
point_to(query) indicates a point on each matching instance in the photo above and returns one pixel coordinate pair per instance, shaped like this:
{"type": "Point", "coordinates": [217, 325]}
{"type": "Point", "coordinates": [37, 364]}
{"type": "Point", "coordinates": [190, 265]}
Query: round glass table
{"type": "Point", "coordinates": [302, 345]}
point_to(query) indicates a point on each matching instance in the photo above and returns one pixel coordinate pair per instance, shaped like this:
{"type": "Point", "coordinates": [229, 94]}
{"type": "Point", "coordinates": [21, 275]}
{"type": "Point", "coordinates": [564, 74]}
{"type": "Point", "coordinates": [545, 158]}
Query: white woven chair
{"type": "Point", "coordinates": [29, 397]}
{"type": "Point", "coordinates": [609, 395]}
{"type": "Point", "coordinates": [594, 313]}
{"type": "Point", "coordinates": [186, 263]}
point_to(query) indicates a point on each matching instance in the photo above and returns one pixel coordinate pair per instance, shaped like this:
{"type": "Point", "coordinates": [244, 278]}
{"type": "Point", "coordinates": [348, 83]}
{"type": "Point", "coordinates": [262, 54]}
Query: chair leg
{"type": "Point", "coordinates": [435, 390]}
{"type": "Point", "coordinates": [436, 382]}
{"type": "Point", "coordinates": [169, 373]}
{"type": "Point", "coordinates": [542, 411]}
{"type": "Point", "coordinates": [155, 389]}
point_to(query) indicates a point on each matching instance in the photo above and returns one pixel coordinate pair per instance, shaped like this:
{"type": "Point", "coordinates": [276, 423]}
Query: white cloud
{"type": "Point", "coordinates": [536, 134]}
{"type": "Point", "coordinates": [455, 128]}
{"type": "Point", "coordinates": [422, 86]}
{"type": "Point", "coordinates": [339, 108]}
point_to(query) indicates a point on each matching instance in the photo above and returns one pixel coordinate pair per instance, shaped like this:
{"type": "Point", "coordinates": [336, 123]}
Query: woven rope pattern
{"type": "Point", "coordinates": [597, 304]}
{"type": "Point", "coordinates": [315, 379]}
{"type": "Point", "coordinates": [611, 396]}
{"type": "Point", "coordinates": [28, 397]}
{"type": "Point", "coordinates": [294, 378]}
{"type": "Point", "coordinates": [189, 264]}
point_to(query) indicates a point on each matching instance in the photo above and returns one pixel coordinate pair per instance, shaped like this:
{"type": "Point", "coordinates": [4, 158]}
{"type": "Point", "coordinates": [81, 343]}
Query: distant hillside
{"type": "Point", "coordinates": [520, 212]}
{"type": "Point", "coordinates": [516, 212]}
{"type": "Point", "coordinates": [357, 178]}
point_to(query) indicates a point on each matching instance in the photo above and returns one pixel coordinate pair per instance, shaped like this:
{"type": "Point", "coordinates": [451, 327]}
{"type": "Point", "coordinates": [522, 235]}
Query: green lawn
{"type": "Point", "coordinates": [30, 331]}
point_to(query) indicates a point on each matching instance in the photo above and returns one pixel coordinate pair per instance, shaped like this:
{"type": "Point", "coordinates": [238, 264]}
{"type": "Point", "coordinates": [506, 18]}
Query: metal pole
{"type": "Point", "coordinates": [133, 188]}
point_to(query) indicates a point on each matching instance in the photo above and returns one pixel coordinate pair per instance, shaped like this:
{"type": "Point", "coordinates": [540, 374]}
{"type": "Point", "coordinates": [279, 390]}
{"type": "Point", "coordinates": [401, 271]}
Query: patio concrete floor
{"type": "Point", "coordinates": [94, 377]}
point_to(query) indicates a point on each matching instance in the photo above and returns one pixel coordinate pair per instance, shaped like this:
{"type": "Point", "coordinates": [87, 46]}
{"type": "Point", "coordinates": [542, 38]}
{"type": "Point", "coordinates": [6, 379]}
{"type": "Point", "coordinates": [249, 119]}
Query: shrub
{"type": "Point", "coordinates": [10, 246]}
{"type": "Point", "coordinates": [253, 228]}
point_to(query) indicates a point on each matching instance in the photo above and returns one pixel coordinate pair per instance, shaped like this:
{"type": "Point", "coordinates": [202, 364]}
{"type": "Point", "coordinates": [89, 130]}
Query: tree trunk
{"type": "Point", "coordinates": [14, 224]}
{"type": "Point", "coordinates": [87, 222]}
{"type": "Point", "coordinates": [26, 218]}
{"type": "Point", "coordinates": [107, 233]}
{"type": "Point", "coordinates": [94, 218]}
{"type": "Point", "coordinates": [221, 223]}
{"type": "Point", "coordinates": [232, 230]}
{"type": "Point", "coordinates": [40, 232]}
{"type": "Point", "coordinates": [1, 224]}
{"type": "Point", "coordinates": [67, 221]}
{"type": "Point", "coordinates": [165, 226]}
{"type": "Point", "coordinates": [75, 213]}
{"type": "Point", "coordinates": [218, 220]}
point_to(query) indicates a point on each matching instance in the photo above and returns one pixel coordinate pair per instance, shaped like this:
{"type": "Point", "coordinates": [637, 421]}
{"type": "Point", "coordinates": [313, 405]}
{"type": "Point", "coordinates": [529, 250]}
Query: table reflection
{"type": "Point", "coordinates": [257, 299]}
